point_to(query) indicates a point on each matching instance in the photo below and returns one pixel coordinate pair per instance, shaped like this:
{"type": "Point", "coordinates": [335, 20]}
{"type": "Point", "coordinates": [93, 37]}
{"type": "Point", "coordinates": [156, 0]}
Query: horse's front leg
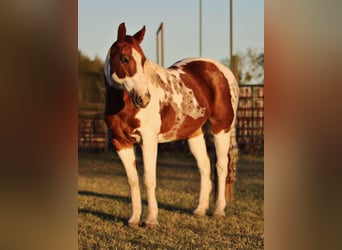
{"type": "Point", "coordinates": [128, 159]}
{"type": "Point", "coordinates": [149, 150]}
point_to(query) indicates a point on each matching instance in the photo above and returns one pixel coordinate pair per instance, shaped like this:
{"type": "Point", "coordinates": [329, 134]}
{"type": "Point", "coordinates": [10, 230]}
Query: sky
{"type": "Point", "coordinates": [98, 21]}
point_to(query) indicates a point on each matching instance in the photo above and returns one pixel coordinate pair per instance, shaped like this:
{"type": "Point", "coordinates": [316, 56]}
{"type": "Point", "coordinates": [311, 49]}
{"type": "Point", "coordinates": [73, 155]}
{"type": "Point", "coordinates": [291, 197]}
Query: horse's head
{"type": "Point", "coordinates": [124, 67]}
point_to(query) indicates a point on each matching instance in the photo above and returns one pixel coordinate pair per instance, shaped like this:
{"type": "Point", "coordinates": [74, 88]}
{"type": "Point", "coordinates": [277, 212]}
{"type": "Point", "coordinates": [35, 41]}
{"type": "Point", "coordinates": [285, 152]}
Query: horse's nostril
{"type": "Point", "coordinates": [139, 100]}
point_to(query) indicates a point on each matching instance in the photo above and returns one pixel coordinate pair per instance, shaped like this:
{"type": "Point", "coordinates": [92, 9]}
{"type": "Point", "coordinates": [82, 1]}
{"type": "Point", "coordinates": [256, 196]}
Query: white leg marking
{"type": "Point", "coordinates": [199, 150]}
{"type": "Point", "coordinates": [149, 150]}
{"type": "Point", "coordinates": [128, 159]}
{"type": "Point", "coordinates": [221, 141]}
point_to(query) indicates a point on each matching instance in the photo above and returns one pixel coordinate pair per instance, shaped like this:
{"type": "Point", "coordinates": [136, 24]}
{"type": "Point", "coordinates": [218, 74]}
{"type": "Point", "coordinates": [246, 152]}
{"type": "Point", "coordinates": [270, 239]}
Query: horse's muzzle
{"type": "Point", "coordinates": [140, 101]}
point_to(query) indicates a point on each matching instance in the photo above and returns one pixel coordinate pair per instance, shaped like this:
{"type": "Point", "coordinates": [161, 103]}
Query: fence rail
{"type": "Point", "coordinates": [92, 131]}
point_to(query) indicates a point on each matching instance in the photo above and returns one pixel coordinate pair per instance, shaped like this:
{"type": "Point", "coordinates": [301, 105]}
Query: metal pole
{"type": "Point", "coordinates": [200, 28]}
{"type": "Point", "coordinates": [162, 44]}
{"type": "Point", "coordinates": [160, 29]}
{"type": "Point", "coordinates": [231, 32]}
{"type": "Point", "coordinates": [157, 43]}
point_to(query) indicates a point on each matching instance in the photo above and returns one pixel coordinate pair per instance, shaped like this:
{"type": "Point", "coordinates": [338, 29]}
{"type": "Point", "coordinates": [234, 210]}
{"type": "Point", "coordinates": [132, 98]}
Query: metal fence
{"type": "Point", "coordinates": [92, 131]}
{"type": "Point", "coordinates": [250, 118]}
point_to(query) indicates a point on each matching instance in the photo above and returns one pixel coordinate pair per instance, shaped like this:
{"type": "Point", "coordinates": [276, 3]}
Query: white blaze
{"type": "Point", "coordinates": [138, 81]}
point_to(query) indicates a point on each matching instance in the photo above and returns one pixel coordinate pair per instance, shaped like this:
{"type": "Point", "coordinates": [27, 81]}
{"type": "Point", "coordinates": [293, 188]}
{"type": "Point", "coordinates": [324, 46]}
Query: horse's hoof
{"type": "Point", "coordinates": [199, 213]}
{"type": "Point", "coordinates": [151, 224]}
{"type": "Point", "coordinates": [133, 224]}
{"type": "Point", "coordinates": [219, 214]}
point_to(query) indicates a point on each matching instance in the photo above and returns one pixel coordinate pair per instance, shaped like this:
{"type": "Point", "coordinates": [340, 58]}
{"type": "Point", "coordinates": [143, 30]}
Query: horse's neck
{"type": "Point", "coordinates": [150, 65]}
{"type": "Point", "coordinates": [153, 70]}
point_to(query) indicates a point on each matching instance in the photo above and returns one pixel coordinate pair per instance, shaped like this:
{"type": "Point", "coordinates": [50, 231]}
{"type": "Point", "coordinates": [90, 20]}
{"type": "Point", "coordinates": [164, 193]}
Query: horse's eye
{"type": "Point", "coordinates": [124, 59]}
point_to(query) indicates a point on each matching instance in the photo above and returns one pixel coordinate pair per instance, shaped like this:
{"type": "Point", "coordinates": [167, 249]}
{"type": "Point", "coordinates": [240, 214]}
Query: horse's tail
{"type": "Point", "coordinates": [233, 156]}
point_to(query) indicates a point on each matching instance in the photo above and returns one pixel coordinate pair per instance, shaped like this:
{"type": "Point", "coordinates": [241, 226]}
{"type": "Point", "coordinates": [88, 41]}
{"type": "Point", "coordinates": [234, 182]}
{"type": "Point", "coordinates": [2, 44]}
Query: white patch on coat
{"type": "Point", "coordinates": [149, 117]}
{"type": "Point", "coordinates": [172, 91]}
{"type": "Point", "coordinates": [117, 79]}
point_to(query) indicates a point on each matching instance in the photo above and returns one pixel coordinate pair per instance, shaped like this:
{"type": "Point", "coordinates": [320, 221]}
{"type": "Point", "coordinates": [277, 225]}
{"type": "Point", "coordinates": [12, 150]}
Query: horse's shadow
{"type": "Point", "coordinates": [126, 200]}
{"type": "Point", "coordinates": [103, 216]}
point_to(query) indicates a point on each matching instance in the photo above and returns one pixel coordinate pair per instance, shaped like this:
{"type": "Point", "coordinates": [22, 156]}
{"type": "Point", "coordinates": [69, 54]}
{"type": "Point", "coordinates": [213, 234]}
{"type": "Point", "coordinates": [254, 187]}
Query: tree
{"type": "Point", "coordinates": [91, 80]}
{"type": "Point", "coordinates": [251, 66]}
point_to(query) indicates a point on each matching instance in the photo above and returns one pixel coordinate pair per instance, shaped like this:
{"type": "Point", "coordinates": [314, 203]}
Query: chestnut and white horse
{"type": "Point", "coordinates": [148, 104]}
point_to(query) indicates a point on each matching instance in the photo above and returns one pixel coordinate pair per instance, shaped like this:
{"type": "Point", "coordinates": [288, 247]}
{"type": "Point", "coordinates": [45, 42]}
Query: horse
{"type": "Point", "coordinates": [147, 104]}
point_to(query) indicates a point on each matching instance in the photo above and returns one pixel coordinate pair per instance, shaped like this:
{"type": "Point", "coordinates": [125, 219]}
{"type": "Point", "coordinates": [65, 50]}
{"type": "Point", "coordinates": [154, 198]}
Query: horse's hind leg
{"type": "Point", "coordinates": [199, 150]}
{"type": "Point", "coordinates": [222, 141]}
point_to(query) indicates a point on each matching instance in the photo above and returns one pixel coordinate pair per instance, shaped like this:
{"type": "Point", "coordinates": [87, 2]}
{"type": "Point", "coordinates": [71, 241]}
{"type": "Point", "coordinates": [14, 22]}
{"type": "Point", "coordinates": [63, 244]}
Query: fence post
{"type": "Point", "coordinates": [235, 67]}
{"type": "Point", "coordinates": [157, 44]}
{"type": "Point", "coordinates": [253, 117]}
{"type": "Point", "coordinates": [250, 123]}
{"type": "Point", "coordinates": [161, 31]}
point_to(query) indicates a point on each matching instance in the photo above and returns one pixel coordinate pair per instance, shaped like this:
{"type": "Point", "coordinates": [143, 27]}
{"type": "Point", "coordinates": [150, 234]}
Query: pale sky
{"type": "Point", "coordinates": [98, 21]}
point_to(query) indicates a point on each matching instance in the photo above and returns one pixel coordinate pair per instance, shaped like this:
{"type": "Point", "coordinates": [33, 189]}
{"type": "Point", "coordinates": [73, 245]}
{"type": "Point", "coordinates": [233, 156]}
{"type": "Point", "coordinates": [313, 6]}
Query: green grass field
{"type": "Point", "coordinates": [104, 207]}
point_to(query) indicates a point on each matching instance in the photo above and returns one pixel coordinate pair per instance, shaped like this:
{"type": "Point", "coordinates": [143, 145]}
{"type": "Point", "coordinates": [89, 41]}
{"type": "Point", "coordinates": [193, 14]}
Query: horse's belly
{"type": "Point", "coordinates": [187, 128]}
{"type": "Point", "coordinates": [163, 139]}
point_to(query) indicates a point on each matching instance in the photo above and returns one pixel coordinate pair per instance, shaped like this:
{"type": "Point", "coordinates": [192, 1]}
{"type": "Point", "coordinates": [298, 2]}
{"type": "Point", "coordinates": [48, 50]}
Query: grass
{"type": "Point", "coordinates": [104, 207]}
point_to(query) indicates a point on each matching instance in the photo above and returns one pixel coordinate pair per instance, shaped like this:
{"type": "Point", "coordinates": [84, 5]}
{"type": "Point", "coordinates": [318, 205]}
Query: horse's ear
{"type": "Point", "coordinates": [139, 36]}
{"type": "Point", "coordinates": [121, 32]}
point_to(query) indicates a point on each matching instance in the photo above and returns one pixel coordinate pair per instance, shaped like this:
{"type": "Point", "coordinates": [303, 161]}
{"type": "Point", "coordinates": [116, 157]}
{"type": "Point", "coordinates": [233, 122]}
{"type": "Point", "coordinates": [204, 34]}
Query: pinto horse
{"type": "Point", "coordinates": [147, 104]}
